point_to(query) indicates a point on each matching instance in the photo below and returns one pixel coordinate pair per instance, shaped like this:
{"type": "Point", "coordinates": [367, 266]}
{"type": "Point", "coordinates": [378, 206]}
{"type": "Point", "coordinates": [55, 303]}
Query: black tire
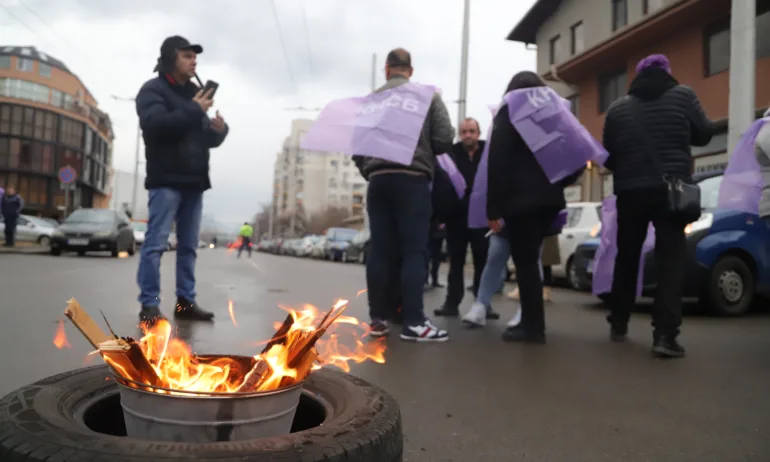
{"type": "Point", "coordinates": [132, 249]}
{"type": "Point", "coordinates": [573, 281]}
{"type": "Point", "coordinates": [43, 422]}
{"type": "Point", "coordinates": [44, 241]}
{"type": "Point", "coordinates": [115, 251]}
{"type": "Point", "coordinates": [730, 288]}
{"type": "Point", "coordinates": [56, 252]}
{"type": "Point", "coordinates": [81, 253]}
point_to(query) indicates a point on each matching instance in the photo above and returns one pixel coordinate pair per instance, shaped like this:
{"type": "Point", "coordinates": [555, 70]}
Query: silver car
{"type": "Point", "coordinates": [31, 229]}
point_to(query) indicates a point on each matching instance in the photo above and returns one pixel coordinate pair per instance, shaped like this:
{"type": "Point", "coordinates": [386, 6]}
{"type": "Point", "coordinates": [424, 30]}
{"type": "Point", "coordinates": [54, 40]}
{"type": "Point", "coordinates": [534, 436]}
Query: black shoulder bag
{"type": "Point", "coordinates": [683, 200]}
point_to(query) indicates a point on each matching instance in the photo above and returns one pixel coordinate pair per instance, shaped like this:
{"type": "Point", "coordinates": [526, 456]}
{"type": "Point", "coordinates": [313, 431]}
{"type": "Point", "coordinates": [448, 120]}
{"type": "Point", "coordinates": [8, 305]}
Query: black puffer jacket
{"type": "Point", "coordinates": [672, 121]}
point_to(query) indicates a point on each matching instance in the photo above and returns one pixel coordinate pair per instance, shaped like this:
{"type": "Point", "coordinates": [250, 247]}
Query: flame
{"type": "Point", "coordinates": [60, 339]}
{"type": "Point", "coordinates": [361, 292]}
{"type": "Point", "coordinates": [123, 254]}
{"type": "Point", "coordinates": [232, 313]}
{"type": "Point", "coordinates": [180, 369]}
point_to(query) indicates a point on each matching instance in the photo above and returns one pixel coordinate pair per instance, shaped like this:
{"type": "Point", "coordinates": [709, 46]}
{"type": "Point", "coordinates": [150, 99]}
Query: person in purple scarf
{"type": "Point", "coordinates": [651, 130]}
{"type": "Point", "coordinates": [523, 203]}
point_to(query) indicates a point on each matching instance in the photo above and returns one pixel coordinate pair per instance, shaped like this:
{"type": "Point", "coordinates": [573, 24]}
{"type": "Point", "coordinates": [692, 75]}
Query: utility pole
{"type": "Point", "coordinates": [363, 196]}
{"type": "Point", "coordinates": [270, 219]}
{"type": "Point", "coordinates": [464, 65]}
{"type": "Point", "coordinates": [742, 70]}
{"type": "Point", "coordinates": [374, 71]}
{"type": "Point", "coordinates": [136, 156]}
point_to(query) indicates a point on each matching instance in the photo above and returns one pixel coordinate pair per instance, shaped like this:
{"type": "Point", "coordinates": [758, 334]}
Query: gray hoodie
{"type": "Point", "coordinates": [436, 138]}
{"type": "Point", "coordinates": [762, 150]}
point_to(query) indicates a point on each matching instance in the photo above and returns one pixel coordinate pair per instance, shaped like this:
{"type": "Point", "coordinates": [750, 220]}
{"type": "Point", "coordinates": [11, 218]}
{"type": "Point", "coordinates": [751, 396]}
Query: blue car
{"type": "Point", "coordinates": [728, 256]}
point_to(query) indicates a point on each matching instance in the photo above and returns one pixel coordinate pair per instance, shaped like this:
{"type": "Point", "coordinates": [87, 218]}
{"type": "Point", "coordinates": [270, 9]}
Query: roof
{"type": "Point", "coordinates": [526, 30]}
{"type": "Point", "coordinates": [31, 52]}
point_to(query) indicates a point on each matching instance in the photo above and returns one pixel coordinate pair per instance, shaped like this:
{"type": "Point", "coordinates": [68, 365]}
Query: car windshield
{"type": "Point", "coordinates": [139, 226]}
{"type": "Point", "coordinates": [91, 216]}
{"type": "Point", "coordinates": [40, 222]}
{"type": "Point", "coordinates": [709, 192]}
{"type": "Point", "coordinates": [341, 235]}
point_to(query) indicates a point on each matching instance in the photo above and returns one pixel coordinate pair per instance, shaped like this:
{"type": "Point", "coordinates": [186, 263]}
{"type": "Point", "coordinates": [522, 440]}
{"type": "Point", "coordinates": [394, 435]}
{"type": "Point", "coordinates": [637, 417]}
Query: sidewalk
{"type": "Point", "coordinates": [24, 248]}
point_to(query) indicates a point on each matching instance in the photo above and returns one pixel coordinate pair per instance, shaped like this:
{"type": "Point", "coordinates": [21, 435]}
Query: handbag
{"type": "Point", "coordinates": [683, 199]}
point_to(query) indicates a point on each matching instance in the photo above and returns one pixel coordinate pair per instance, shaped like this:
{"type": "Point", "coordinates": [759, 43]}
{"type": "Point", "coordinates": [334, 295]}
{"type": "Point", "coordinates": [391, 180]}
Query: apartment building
{"type": "Point", "coordinates": [310, 182]}
{"type": "Point", "coordinates": [587, 51]}
{"type": "Point", "coordinates": [49, 119]}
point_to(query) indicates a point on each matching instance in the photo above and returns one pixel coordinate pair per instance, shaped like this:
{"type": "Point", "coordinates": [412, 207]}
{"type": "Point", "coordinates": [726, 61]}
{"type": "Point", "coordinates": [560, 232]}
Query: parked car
{"type": "Point", "coordinates": [305, 246]}
{"type": "Point", "coordinates": [583, 220]}
{"type": "Point", "coordinates": [31, 229]}
{"type": "Point", "coordinates": [90, 230]}
{"type": "Point", "coordinates": [359, 247]}
{"type": "Point", "coordinates": [319, 248]}
{"type": "Point", "coordinates": [337, 243]}
{"type": "Point", "coordinates": [726, 256]}
{"type": "Point", "coordinates": [140, 229]}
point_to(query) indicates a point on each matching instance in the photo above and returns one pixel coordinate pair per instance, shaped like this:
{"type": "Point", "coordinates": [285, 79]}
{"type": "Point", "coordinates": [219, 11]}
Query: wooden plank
{"type": "Point", "coordinates": [85, 324]}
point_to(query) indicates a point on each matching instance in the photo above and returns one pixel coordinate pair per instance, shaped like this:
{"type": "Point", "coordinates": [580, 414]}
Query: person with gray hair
{"type": "Point", "coordinates": [648, 135]}
{"type": "Point", "coordinates": [762, 150]}
{"type": "Point", "coordinates": [399, 206]}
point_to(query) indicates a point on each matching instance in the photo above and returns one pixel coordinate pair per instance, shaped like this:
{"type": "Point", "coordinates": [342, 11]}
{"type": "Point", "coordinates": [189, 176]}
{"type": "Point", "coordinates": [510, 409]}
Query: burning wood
{"type": "Point", "coordinates": [161, 361]}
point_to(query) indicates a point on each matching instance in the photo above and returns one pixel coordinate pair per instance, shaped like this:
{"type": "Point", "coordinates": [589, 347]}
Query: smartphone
{"type": "Point", "coordinates": [210, 85]}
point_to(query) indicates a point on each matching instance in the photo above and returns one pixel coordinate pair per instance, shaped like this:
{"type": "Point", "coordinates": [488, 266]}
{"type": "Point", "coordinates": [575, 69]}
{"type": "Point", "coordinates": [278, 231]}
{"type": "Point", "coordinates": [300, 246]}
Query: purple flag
{"type": "Point", "coordinates": [742, 181]}
{"type": "Point", "coordinates": [386, 125]}
{"type": "Point", "coordinates": [458, 181]}
{"type": "Point", "coordinates": [558, 141]}
{"type": "Point", "coordinates": [477, 201]}
{"type": "Point", "coordinates": [603, 263]}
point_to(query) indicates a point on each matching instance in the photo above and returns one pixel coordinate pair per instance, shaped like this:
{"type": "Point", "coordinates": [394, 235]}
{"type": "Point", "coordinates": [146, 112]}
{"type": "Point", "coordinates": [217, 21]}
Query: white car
{"type": "Point", "coordinates": [31, 229]}
{"type": "Point", "coordinates": [583, 222]}
{"type": "Point", "coordinates": [140, 229]}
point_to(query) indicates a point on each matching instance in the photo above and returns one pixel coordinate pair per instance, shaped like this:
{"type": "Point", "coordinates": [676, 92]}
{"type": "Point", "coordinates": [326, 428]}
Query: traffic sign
{"type": "Point", "coordinates": [67, 174]}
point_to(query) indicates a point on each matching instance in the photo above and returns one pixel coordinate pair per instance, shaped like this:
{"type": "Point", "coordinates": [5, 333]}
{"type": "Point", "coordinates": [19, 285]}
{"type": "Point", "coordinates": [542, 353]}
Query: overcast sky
{"type": "Point", "coordinates": [112, 46]}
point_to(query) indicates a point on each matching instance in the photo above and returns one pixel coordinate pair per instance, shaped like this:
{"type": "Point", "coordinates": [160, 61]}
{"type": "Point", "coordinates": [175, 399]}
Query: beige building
{"type": "Point", "coordinates": [587, 50]}
{"type": "Point", "coordinates": [312, 182]}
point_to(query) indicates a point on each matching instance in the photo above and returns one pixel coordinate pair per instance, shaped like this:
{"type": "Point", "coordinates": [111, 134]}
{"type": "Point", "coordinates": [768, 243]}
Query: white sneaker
{"type": "Point", "coordinates": [516, 319]}
{"type": "Point", "coordinates": [477, 316]}
{"type": "Point", "coordinates": [425, 332]}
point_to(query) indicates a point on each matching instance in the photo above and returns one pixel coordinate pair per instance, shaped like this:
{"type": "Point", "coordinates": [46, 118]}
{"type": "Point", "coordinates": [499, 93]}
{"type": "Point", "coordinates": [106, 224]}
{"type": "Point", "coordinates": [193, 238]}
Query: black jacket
{"type": "Point", "coordinates": [446, 205]}
{"type": "Point", "coordinates": [517, 183]}
{"type": "Point", "coordinates": [671, 119]}
{"type": "Point", "coordinates": [177, 135]}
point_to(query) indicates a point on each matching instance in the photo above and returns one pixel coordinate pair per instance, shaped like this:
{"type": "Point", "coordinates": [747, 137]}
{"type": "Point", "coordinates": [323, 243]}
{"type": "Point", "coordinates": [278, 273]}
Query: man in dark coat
{"type": "Point", "coordinates": [11, 206]}
{"type": "Point", "coordinates": [177, 136]}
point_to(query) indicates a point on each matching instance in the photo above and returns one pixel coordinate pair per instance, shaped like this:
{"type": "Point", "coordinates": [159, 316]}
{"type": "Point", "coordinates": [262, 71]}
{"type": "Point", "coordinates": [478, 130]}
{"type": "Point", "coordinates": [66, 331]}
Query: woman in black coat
{"type": "Point", "coordinates": [520, 194]}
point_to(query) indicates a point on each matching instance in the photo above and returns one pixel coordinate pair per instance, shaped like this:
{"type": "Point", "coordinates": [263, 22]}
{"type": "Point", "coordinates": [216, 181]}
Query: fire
{"type": "Point", "coordinates": [123, 254]}
{"type": "Point", "coordinates": [288, 359]}
{"type": "Point", "coordinates": [60, 339]}
{"type": "Point", "coordinates": [232, 313]}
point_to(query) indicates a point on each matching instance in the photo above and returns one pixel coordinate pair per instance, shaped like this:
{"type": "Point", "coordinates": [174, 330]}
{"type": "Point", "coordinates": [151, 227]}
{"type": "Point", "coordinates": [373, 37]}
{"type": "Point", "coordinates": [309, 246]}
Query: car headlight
{"type": "Point", "coordinates": [704, 222]}
{"type": "Point", "coordinates": [103, 234]}
{"type": "Point", "coordinates": [596, 229]}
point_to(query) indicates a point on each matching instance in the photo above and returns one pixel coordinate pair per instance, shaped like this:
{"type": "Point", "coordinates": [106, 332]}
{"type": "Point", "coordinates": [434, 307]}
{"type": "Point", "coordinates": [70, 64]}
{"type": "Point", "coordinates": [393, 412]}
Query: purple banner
{"type": "Point", "coordinates": [458, 181]}
{"type": "Point", "coordinates": [558, 141]}
{"type": "Point", "coordinates": [477, 201]}
{"type": "Point", "coordinates": [603, 264]}
{"type": "Point", "coordinates": [385, 125]}
{"type": "Point", "coordinates": [742, 181]}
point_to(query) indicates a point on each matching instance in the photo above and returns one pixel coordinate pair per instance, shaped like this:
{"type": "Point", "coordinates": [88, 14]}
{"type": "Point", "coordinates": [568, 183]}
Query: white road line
{"type": "Point", "coordinates": [256, 266]}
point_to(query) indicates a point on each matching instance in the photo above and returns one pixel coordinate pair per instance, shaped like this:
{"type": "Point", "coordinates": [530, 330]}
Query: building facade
{"type": "Point", "coordinates": [49, 119]}
{"type": "Point", "coordinates": [307, 182]}
{"type": "Point", "coordinates": [587, 50]}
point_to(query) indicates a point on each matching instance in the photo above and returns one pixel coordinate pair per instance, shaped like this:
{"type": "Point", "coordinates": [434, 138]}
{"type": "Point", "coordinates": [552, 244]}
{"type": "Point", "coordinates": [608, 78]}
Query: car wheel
{"type": "Point", "coordinates": [56, 252]}
{"type": "Point", "coordinates": [132, 249]}
{"type": "Point", "coordinates": [77, 416]}
{"type": "Point", "coordinates": [115, 250]}
{"type": "Point", "coordinates": [44, 241]}
{"type": "Point", "coordinates": [731, 287]}
{"type": "Point", "coordinates": [573, 280]}
{"type": "Point", "coordinates": [362, 257]}
{"type": "Point", "coordinates": [81, 253]}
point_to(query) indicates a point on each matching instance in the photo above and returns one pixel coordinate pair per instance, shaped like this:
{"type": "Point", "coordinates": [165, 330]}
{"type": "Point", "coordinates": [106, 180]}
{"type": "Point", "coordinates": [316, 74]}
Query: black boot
{"type": "Point", "coordinates": [667, 347]}
{"type": "Point", "coordinates": [149, 316]}
{"type": "Point", "coordinates": [447, 312]}
{"type": "Point", "coordinates": [190, 310]}
{"type": "Point", "coordinates": [617, 334]}
{"type": "Point", "coordinates": [519, 334]}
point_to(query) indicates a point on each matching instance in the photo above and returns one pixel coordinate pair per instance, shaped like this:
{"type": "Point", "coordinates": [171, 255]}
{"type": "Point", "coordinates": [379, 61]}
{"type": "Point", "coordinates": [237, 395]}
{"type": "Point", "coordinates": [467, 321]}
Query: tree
{"type": "Point", "coordinates": [332, 217]}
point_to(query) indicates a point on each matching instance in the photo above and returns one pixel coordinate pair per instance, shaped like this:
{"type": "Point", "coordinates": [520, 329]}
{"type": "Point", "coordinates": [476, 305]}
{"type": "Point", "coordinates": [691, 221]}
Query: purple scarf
{"type": "Point", "coordinates": [556, 138]}
{"type": "Point", "coordinates": [742, 182]}
{"type": "Point", "coordinates": [385, 125]}
{"type": "Point", "coordinates": [604, 261]}
{"type": "Point", "coordinates": [449, 166]}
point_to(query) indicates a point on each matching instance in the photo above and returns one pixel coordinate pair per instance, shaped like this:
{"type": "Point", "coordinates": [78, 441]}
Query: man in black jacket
{"type": "Point", "coordinates": [648, 136]}
{"type": "Point", "coordinates": [466, 155]}
{"type": "Point", "coordinates": [11, 205]}
{"type": "Point", "coordinates": [177, 137]}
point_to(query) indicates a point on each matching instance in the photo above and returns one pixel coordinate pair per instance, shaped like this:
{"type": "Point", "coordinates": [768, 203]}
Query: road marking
{"type": "Point", "coordinates": [256, 266]}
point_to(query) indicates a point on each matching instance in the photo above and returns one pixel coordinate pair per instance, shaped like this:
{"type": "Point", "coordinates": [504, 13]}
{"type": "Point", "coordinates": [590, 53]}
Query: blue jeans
{"type": "Point", "coordinates": [399, 207]}
{"type": "Point", "coordinates": [165, 206]}
{"type": "Point", "coordinates": [493, 275]}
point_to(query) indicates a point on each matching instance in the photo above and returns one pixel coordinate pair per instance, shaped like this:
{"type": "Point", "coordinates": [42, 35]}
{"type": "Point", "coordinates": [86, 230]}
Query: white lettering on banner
{"type": "Point", "coordinates": [539, 96]}
{"type": "Point", "coordinates": [394, 101]}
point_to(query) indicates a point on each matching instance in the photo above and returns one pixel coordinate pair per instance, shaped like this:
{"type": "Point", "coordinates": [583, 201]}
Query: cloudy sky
{"type": "Point", "coordinates": [326, 54]}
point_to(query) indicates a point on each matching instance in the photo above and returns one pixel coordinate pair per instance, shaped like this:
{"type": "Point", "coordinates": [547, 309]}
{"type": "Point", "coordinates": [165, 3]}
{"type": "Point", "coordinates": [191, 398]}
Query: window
{"type": "Point", "coordinates": [57, 98]}
{"type": "Point", "coordinates": [5, 151]}
{"type": "Point", "coordinates": [619, 14]}
{"type": "Point", "coordinates": [5, 118]}
{"type": "Point", "coordinates": [49, 133]}
{"type": "Point", "coordinates": [574, 105]}
{"type": "Point", "coordinates": [578, 45]}
{"type": "Point", "coordinates": [332, 182]}
{"type": "Point", "coordinates": [22, 89]}
{"type": "Point", "coordinates": [44, 69]}
{"type": "Point", "coordinates": [573, 216]}
{"type": "Point", "coordinates": [5, 62]}
{"type": "Point", "coordinates": [717, 41]}
{"type": "Point", "coordinates": [17, 115]}
{"type": "Point", "coordinates": [39, 125]}
{"type": "Point", "coordinates": [651, 5]}
{"type": "Point", "coordinates": [28, 126]}
{"type": "Point", "coordinates": [553, 54]}
{"type": "Point", "coordinates": [611, 87]}
{"type": "Point", "coordinates": [72, 133]}
{"type": "Point", "coordinates": [24, 64]}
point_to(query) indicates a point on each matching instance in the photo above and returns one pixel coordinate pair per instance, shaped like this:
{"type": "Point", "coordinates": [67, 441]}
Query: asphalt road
{"type": "Point", "coordinates": [579, 398]}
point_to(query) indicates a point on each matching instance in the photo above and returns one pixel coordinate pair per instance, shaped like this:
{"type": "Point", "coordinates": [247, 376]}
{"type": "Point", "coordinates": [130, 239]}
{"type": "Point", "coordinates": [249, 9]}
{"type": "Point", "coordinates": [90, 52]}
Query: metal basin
{"type": "Point", "coordinates": [203, 418]}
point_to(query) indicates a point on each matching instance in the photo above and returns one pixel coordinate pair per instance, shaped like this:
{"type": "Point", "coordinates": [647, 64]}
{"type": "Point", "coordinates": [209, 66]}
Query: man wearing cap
{"type": "Point", "coordinates": [177, 137]}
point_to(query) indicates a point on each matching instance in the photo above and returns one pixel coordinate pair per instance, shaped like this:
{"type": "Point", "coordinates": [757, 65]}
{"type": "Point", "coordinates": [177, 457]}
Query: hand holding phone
{"type": "Point", "coordinates": [210, 89]}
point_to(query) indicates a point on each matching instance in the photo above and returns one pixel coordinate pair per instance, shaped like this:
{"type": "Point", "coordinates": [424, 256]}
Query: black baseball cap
{"type": "Point", "coordinates": [174, 43]}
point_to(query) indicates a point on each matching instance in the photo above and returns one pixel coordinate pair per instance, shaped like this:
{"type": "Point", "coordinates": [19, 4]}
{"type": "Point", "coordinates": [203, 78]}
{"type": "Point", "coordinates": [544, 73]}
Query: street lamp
{"type": "Point", "coordinates": [136, 156]}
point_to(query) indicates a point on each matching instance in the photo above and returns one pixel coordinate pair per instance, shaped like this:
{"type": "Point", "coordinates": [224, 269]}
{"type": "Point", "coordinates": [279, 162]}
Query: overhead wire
{"type": "Point", "coordinates": [307, 36]}
{"type": "Point", "coordinates": [43, 20]}
{"type": "Point", "coordinates": [25, 25]}
{"type": "Point", "coordinates": [283, 46]}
